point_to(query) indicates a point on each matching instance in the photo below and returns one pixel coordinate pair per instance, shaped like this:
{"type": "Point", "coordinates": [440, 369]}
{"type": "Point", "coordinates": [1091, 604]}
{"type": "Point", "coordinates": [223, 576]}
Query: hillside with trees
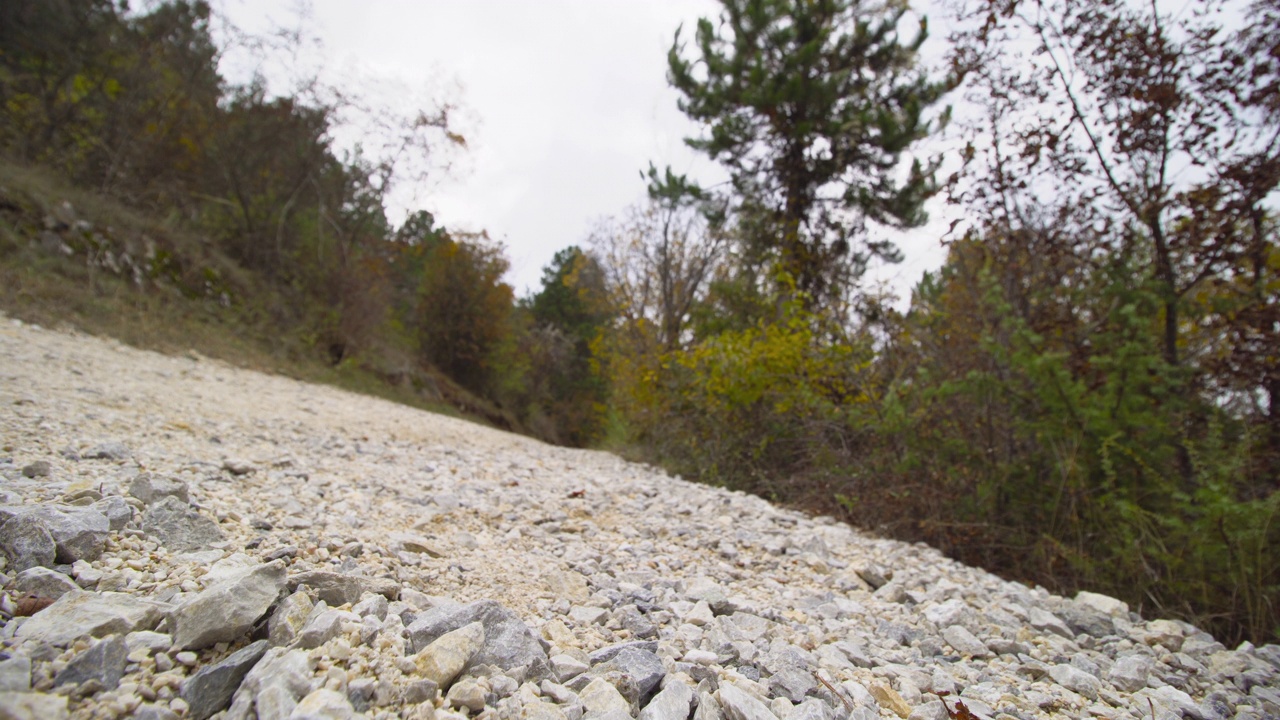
{"type": "Point", "coordinates": [1083, 396]}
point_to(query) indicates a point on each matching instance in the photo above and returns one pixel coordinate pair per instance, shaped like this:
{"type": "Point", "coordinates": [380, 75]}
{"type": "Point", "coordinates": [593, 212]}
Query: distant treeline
{"type": "Point", "coordinates": [1084, 396]}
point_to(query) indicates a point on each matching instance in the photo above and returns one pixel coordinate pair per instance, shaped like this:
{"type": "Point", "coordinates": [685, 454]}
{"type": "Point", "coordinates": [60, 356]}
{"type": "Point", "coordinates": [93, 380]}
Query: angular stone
{"type": "Point", "coordinates": [466, 694]}
{"type": "Point", "coordinates": [564, 667]}
{"type": "Point", "coordinates": [103, 663]}
{"type": "Point", "coordinates": [372, 604]}
{"type": "Point", "coordinates": [642, 666]}
{"type": "Point", "coordinates": [227, 610]}
{"type": "Point", "coordinates": [811, 709]}
{"type": "Point", "coordinates": [601, 698]}
{"type": "Point", "coordinates": [15, 674]}
{"type": "Point", "coordinates": [324, 704]}
{"type": "Point", "coordinates": [179, 527]}
{"type": "Point", "coordinates": [410, 543]}
{"type": "Point", "coordinates": [792, 682]}
{"type": "Point", "coordinates": [116, 510]}
{"type": "Point", "coordinates": [442, 660]}
{"type": "Point", "coordinates": [1076, 680]}
{"type": "Point", "coordinates": [79, 613]}
{"type": "Point", "coordinates": [964, 642]}
{"type": "Point", "coordinates": [213, 686]}
{"type": "Point", "coordinates": [274, 685]}
{"type": "Point", "coordinates": [567, 584]}
{"type": "Point", "coordinates": [1045, 621]}
{"type": "Point", "coordinates": [39, 468]}
{"type": "Point", "coordinates": [27, 543]}
{"type": "Point", "coordinates": [32, 706]}
{"type": "Point", "coordinates": [1084, 620]}
{"type": "Point", "coordinates": [43, 583]}
{"type": "Point", "coordinates": [509, 643]}
{"type": "Point", "coordinates": [338, 589]}
{"type": "Point", "coordinates": [1130, 672]}
{"type": "Point", "coordinates": [738, 705]}
{"type": "Point", "coordinates": [889, 699]}
{"type": "Point", "coordinates": [705, 589]}
{"type": "Point", "coordinates": [320, 629]}
{"type": "Point", "coordinates": [80, 533]}
{"type": "Point", "coordinates": [609, 652]}
{"type": "Point", "coordinates": [1104, 604]}
{"type": "Point", "coordinates": [708, 708]}
{"type": "Point", "coordinates": [289, 618]}
{"type": "Point", "coordinates": [150, 488]}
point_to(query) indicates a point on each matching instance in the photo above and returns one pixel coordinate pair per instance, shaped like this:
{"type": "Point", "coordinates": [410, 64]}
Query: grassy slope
{"type": "Point", "coordinates": [55, 271]}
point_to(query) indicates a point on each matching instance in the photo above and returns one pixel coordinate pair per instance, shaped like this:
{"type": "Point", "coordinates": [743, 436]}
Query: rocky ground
{"type": "Point", "coordinates": [182, 538]}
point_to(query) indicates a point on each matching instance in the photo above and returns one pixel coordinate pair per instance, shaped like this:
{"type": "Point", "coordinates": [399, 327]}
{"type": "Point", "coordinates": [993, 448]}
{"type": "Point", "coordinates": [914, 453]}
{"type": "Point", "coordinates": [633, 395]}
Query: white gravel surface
{"type": "Point", "coordinates": [745, 608]}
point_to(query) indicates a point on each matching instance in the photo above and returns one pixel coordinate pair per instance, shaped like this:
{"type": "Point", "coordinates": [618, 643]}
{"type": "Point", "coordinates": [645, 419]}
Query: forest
{"type": "Point", "coordinates": [1082, 397]}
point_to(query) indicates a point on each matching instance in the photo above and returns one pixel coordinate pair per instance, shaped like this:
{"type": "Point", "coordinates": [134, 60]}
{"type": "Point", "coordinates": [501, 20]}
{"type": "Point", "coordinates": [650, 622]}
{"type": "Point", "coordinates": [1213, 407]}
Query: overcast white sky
{"type": "Point", "coordinates": [565, 102]}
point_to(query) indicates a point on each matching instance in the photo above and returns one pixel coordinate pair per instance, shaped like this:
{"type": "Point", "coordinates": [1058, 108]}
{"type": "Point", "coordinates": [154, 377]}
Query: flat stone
{"type": "Point", "coordinates": [211, 688]}
{"type": "Point", "coordinates": [564, 667]}
{"type": "Point", "coordinates": [150, 488]}
{"type": "Point", "coordinates": [227, 610]}
{"type": "Point", "coordinates": [339, 589]}
{"type": "Point", "coordinates": [812, 709]}
{"type": "Point", "coordinates": [965, 642]}
{"type": "Point", "coordinates": [509, 643]}
{"type": "Point", "coordinates": [410, 543]}
{"type": "Point", "coordinates": [274, 685]}
{"type": "Point", "coordinates": [1104, 604]}
{"type": "Point", "coordinates": [32, 706]}
{"type": "Point", "coordinates": [1075, 680]}
{"type": "Point", "coordinates": [103, 663]}
{"type": "Point", "coordinates": [446, 656]}
{"type": "Point", "coordinates": [43, 583]}
{"type": "Point", "coordinates": [179, 527]}
{"type": "Point", "coordinates": [706, 589]}
{"type": "Point", "coordinates": [1045, 621]}
{"type": "Point", "coordinates": [738, 705]}
{"type": "Point", "coordinates": [96, 614]}
{"type": "Point", "coordinates": [793, 683]}
{"type": "Point", "coordinates": [27, 543]}
{"type": "Point", "coordinates": [889, 699]}
{"type": "Point", "coordinates": [107, 451]}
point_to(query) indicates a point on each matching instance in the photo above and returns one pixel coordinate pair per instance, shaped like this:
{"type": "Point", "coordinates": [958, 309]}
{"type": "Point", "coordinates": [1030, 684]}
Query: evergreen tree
{"type": "Point", "coordinates": [810, 104]}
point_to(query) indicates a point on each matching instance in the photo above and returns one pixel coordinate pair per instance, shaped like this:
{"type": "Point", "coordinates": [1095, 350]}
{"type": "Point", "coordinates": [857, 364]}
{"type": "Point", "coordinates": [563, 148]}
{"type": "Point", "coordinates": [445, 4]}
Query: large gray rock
{"type": "Point", "coordinates": [509, 643]}
{"type": "Point", "coordinates": [79, 533]}
{"type": "Point", "coordinates": [79, 613]}
{"type": "Point", "coordinates": [179, 527]}
{"type": "Point", "coordinates": [1076, 680]}
{"type": "Point", "coordinates": [27, 543]}
{"type": "Point", "coordinates": [102, 665]}
{"type": "Point", "coordinates": [228, 609]}
{"type": "Point", "coordinates": [965, 642]}
{"type": "Point", "coordinates": [338, 589]}
{"type": "Point", "coordinates": [149, 488]}
{"type": "Point", "coordinates": [213, 686]}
